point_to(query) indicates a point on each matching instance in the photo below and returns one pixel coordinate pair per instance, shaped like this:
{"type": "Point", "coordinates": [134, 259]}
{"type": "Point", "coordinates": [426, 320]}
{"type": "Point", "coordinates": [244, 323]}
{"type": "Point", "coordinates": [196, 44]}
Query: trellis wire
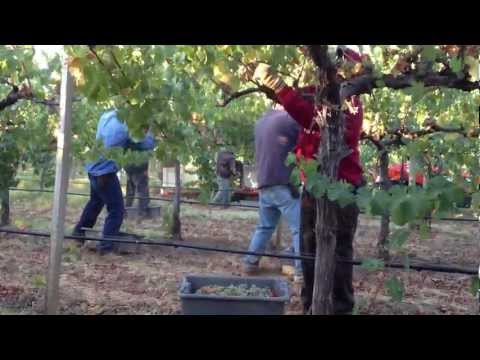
{"type": "Point", "coordinates": [246, 206]}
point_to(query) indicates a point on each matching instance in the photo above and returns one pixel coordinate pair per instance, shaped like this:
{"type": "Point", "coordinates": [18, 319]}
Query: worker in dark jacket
{"type": "Point", "coordinates": [137, 178]}
{"type": "Point", "coordinates": [226, 170]}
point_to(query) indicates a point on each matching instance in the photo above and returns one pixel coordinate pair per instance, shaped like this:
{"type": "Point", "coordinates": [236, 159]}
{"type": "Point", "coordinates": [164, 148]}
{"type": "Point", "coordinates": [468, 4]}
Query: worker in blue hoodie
{"type": "Point", "coordinates": [105, 189]}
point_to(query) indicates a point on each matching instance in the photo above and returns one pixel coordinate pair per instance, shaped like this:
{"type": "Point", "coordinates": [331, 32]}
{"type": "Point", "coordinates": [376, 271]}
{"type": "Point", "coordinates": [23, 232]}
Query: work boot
{"type": "Point", "coordinates": [79, 233]}
{"type": "Point", "coordinates": [250, 269]}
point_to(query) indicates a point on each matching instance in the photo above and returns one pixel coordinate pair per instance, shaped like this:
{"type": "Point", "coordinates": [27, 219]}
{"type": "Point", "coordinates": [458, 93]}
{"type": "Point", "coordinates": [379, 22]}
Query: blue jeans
{"type": "Point", "coordinates": [104, 190]}
{"type": "Point", "coordinates": [275, 201]}
{"type": "Point", "coordinates": [224, 191]}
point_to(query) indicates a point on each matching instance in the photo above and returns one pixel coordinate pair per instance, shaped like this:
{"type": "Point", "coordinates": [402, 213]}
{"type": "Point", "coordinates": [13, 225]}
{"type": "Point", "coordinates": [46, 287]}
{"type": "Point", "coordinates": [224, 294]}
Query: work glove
{"type": "Point", "coordinates": [264, 75]}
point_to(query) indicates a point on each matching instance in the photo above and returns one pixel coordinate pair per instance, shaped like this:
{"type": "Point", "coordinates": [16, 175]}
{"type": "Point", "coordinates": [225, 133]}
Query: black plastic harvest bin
{"type": "Point", "coordinates": [196, 304]}
{"type": "Point", "coordinates": [153, 212]}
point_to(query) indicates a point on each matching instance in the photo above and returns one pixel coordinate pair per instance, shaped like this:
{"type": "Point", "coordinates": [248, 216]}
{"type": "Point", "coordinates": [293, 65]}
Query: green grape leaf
{"type": "Point", "coordinates": [398, 238]}
{"type": "Point", "coordinates": [475, 286]}
{"type": "Point", "coordinates": [417, 91]}
{"type": "Point", "coordinates": [429, 52]}
{"type": "Point", "coordinates": [291, 159]}
{"type": "Point", "coordinates": [380, 202]}
{"type": "Point", "coordinates": [424, 231]}
{"type": "Point", "coordinates": [347, 198]}
{"type": "Point", "coordinates": [456, 65]}
{"type": "Point", "coordinates": [38, 281]}
{"type": "Point", "coordinates": [317, 185]}
{"type": "Point", "coordinates": [309, 167]}
{"type": "Point", "coordinates": [395, 289]}
{"type": "Point", "coordinates": [455, 195]}
{"type": "Point", "coordinates": [422, 204]}
{"type": "Point", "coordinates": [403, 211]}
{"type": "Point", "coordinates": [364, 196]}
{"type": "Point", "coordinates": [341, 193]}
{"type": "Point", "coordinates": [295, 177]}
{"type": "Point", "coordinates": [397, 192]}
{"type": "Point", "coordinates": [376, 207]}
{"type": "Point", "coordinates": [373, 264]}
{"type": "Point", "coordinates": [476, 201]}
{"type": "Point", "coordinates": [319, 189]}
{"type": "Point", "coordinates": [444, 205]}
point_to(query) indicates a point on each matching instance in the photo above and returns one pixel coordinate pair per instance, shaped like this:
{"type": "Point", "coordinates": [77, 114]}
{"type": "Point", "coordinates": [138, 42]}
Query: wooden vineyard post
{"type": "Point", "coordinates": [60, 191]}
{"type": "Point", "coordinates": [412, 169]}
{"type": "Point", "coordinates": [176, 224]}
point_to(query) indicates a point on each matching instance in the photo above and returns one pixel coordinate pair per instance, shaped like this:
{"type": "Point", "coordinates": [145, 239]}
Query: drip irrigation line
{"type": "Point", "coordinates": [148, 242]}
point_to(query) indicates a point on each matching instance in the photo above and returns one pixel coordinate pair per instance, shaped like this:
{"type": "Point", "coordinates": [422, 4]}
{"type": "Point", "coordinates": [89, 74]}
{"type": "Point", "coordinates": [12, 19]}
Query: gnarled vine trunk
{"type": "Point", "coordinates": [331, 151]}
{"type": "Point", "coordinates": [326, 234]}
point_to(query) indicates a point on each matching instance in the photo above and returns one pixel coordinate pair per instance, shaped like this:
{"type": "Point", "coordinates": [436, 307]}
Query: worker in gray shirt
{"type": "Point", "coordinates": [276, 134]}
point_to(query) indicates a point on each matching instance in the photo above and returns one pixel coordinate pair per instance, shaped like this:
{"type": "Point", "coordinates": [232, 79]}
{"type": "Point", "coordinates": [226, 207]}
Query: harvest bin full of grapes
{"type": "Point", "coordinates": [233, 295]}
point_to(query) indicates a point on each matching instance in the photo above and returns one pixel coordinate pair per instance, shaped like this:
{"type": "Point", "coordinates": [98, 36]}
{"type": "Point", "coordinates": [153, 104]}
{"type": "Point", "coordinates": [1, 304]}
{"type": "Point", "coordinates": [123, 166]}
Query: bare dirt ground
{"type": "Point", "coordinates": [147, 283]}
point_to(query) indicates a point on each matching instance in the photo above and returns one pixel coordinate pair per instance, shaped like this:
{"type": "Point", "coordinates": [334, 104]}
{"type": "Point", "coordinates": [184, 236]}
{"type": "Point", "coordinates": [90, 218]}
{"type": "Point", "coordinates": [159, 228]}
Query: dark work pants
{"type": "Point", "coordinates": [137, 183]}
{"type": "Point", "coordinates": [104, 190]}
{"type": "Point", "coordinates": [343, 296]}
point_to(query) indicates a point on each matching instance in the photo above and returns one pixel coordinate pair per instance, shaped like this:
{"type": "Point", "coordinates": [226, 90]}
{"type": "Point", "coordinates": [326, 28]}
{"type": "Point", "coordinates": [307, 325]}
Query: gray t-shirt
{"type": "Point", "coordinates": [276, 134]}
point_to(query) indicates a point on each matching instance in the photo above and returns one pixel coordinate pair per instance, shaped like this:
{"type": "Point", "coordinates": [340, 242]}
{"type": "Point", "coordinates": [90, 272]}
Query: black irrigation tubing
{"type": "Point", "coordinates": [245, 206]}
{"type": "Point", "coordinates": [161, 243]}
{"type": "Point", "coordinates": [417, 267]}
{"type": "Point", "coordinates": [453, 219]}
